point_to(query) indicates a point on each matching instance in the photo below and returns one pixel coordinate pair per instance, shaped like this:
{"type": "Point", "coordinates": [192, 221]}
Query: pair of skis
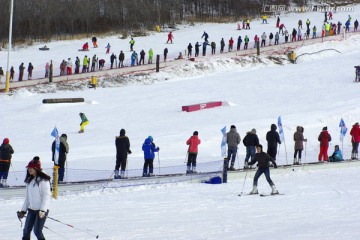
{"type": "Point", "coordinates": [263, 195]}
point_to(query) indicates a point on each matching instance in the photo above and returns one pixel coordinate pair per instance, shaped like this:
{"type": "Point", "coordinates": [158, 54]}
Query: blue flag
{"type": "Point", "coordinates": [55, 134]}
{"type": "Point", "coordinates": [223, 142]}
{"type": "Point", "coordinates": [281, 130]}
{"type": "Point", "coordinates": [343, 130]}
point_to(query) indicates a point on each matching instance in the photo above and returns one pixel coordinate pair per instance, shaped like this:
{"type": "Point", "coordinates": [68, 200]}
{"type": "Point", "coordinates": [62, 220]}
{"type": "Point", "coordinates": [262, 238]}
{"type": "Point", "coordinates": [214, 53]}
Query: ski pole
{"type": "Point", "coordinates": [237, 156]}
{"type": "Point", "coordinates": [244, 183]}
{"type": "Point", "coordinates": [69, 225]}
{"type": "Point", "coordinates": [54, 232]}
{"type": "Point", "coordinates": [13, 171]}
{"type": "Point", "coordinates": [159, 161]}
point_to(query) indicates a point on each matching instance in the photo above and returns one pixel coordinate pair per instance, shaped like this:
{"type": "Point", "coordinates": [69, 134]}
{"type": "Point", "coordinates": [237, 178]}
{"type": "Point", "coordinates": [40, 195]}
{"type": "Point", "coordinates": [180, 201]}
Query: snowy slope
{"type": "Point", "coordinates": [314, 93]}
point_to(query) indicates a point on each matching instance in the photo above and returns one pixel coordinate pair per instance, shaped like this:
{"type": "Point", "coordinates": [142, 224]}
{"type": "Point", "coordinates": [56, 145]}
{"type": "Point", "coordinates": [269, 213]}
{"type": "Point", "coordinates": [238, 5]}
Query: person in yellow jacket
{"type": "Point", "coordinates": [85, 63]}
{"type": "Point", "coordinates": [327, 29]}
{"type": "Point", "coordinates": [151, 54]}
{"type": "Point", "coordinates": [264, 19]}
{"type": "Point", "coordinates": [84, 122]}
{"type": "Point", "coordinates": [132, 42]}
{"type": "Point", "coordinates": [247, 24]}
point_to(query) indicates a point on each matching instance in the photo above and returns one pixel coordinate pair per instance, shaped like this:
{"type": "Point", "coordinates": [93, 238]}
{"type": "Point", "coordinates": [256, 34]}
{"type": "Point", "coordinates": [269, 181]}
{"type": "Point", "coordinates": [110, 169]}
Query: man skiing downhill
{"type": "Point", "coordinates": [122, 144]}
{"type": "Point", "coordinates": [232, 139]}
{"type": "Point", "coordinates": [263, 160]}
{"type": "Point", "coordinates": [84, 122]}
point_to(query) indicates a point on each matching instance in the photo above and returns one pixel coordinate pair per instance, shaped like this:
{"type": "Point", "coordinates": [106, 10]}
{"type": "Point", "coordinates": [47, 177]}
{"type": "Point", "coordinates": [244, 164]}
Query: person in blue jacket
{"type": "Point", "coordinates": [347, 26]}
{"type": "Point", "coordinates": [337, 155]}
{"type": "Point", "coordinates": [133, 58]}
{"type": "Point", "coordinates": [149, 149]}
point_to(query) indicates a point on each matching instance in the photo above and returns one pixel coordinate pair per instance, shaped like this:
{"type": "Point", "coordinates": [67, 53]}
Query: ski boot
{"type": "Point", "coordinates": [274, 190]}
{"type": "Point", "coordinates": [194, 170]}
{"type": "Point", "coordinates": [232, 167]}
{"type": "Point", "coordinates": [246, 165]}
{"type": "Point", "coordinates": [122, 175]}
{"type": "Point", "coordinates": [81, 131]}
{"type": "Point", "coordinates": [188, 171]}
{"type": "Point", "coordinates": [151, 175]}
{"type": "Point", "coordinates": [295, 161]}
{"type": "Point", "coordinates": [299, 161]}
{"type": "Point", "coordinates": [1, 183]}
{"type": "Point", "coordinates": [254, 191]}
{"type": "Point", "coordinates": [116, 175]}
{"type": "Point", "coordinates": [4, 184]}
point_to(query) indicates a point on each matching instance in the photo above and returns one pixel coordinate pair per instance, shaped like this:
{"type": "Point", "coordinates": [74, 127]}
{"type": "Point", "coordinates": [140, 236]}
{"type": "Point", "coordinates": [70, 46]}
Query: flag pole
{"type": "Point", "coordinates": [285, 151]}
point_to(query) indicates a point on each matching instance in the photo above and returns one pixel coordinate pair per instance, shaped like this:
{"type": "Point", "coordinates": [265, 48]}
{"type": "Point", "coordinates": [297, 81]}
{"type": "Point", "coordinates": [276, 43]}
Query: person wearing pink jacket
{"type": "Point", "coordinates": [193, 143]}
{"type": "Point", "coordinates": [355, 139]}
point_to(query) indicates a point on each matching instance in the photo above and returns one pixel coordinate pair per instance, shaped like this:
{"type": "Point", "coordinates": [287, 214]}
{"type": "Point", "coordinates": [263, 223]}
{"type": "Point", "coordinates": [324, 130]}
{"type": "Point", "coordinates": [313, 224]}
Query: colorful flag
{"type": "Point", "coordinates": [223, 142]}
{"type": "Point", "coordinates": [281, 131]}
{"type": "Point", "coordinates": [55, 134]}
{"type": "Point", "coordinates": [343, 130]}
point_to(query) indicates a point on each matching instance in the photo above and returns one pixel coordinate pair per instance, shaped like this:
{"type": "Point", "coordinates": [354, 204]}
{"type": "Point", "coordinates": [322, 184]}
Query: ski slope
{"type": "Point", "coordinates": [316, 92]}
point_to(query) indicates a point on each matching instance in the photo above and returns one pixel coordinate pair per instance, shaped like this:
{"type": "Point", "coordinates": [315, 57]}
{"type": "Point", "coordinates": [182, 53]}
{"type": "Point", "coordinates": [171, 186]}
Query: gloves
{"type": "Point", "coordinates": [42, 214]}
{"type": "Point", "coordinates": [20, 214]}
{"type": "Point", "coordinates": [158, 148]}
{"type": "Point", "coordinates": [129, 152]}
{"type": "Point", "coordinates": [275, 166]}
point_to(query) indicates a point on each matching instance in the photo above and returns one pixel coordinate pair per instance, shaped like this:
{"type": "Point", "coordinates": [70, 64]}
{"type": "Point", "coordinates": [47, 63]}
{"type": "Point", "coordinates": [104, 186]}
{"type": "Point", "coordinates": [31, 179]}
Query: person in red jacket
{"type": "Point", "coordinates": [85, 47]}
{"type": "Point", "coordinates": [324, 139]}
{"type": "Point", "coordinates": [256, 40]}
{"type": "Point", "coordinates": [193, 143]}
{"type": "Point", "coordinates": [170, 37]}
{"type": "Point", "coordinates": [231, 44]}
{"type": "Point", "coordinates": [355, 140]}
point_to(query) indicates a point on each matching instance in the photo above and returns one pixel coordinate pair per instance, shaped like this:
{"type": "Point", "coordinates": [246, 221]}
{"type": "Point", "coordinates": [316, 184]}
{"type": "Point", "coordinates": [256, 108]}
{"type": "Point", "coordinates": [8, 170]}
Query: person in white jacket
{"type": "Point", "coordinates": [37, 199]}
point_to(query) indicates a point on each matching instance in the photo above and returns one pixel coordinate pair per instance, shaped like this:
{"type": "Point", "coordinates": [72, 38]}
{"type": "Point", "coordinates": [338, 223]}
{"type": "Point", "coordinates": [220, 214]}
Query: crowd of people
{"type": "Point", "coordinates": [90, 64]}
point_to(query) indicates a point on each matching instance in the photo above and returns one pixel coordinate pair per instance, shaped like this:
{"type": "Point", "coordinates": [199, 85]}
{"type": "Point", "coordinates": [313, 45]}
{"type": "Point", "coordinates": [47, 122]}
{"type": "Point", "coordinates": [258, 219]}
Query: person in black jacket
{"type": "Point", "coordinates": [121, 59]}
{"type": "Point", "coordinates": [189, 50]}
{"type": "Point", "coordinates": [222, 45]}
{"type": "Point", "coordinates": [6, 152]}
{"type": "Point", "coordinates": [263, 160]}
{"type": "Point", "coordinates": [63, 151]}
{"type": "Point", "coordinates": [250, 141]}
{"type": "Point", "coordinates": [273, 139]}
{"type": "Point", "coordinates": [197, 48]}
{"type": "Point", "coordinates": [165, 54]}
{"type": "Point", "coordinates": [122, 144]}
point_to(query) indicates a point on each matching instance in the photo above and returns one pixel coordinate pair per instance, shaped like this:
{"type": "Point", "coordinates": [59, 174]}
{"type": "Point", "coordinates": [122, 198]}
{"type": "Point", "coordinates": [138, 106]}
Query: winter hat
{"type": "Point", "coordinates": [336, 146]}
{"type": "Point", "coordinates": [122, 132]}
{"type": "Point", "coordinates": [195, 133]}
{"type": "Point", "coordinates": [6, 141]}
{"type": "Point", "coordinates": [151, 138]}
{"type": "Point", "coordinates": [64, 136]}
{"type": "Point", "coordinates": [35, 163]}
{"type": "Point", "coordinates": [232, 126]}
{"type": "Point", "coordinates": [324, 128]}
{"type": "Point", "coordinates": [253, 130]}
{"type": "Point", "coordinates": [259, 146]}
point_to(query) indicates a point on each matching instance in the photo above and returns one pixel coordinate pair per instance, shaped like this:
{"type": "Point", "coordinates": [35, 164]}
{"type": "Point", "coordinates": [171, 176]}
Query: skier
{"type": "Point", "coordinates": [355, 140]}
{"type": "Point", "coordinates": [6, 152]}
{"type": "Point", "coordinates": [264, 19]}
{"type": "Point", "coordinates": [85, 47]}
{"type": "Point", "coordinates": [93, 63]}
{"type": "Point", "coordinates": [263, 160]}
{"type": "Point", "coordinates": [94, 42]}
{"type": "Point", "coordinates": [299, 33]}
{"type": "Point", "coordinates": [30, 70]}
{"type": "Point", "coordinates": [239, 41]}
{"type": "Point", "coordinates": [222, 45]}
{"type": "Point", "coordinates": [63, 151]}
{"type": "Point", "coordinates": [189, 48]}
{"type": "Point", "coordinates": [299, 145]}
{"type": "Point", "coordinates": [277, 38]}
{"type": "Point", "coordinates": [281, 28]}
{"type": "Point", "coordinates": [63, 68]}
{"type": "Point", "coordinates": [77, 65]}
{"type": "Point", "coordinates": [246, 42]}
{"type": "Point", "coordinates": [327, 29]}
{"type": "Point", "coordinates": [204, 45]}
{"type": "Point", "coordinates": [85, 63]}
{"type": "Point", "coordinates": [122, 144]}
{"type": "Point", "coordinates": [323, 31]}
{"type": "Point", "coordinates": [197, 48]}
{"type": "Point", "coordinates": [307, 24]}
{"type": "Point", "coordinates": [330, 16]}
{"type": "Point", "coordinates": [339, 27]}
{"type": "Point", "coordinates": [205, 36]}
{"type": "Point", "coordinates": [121, 59]}
{"type": "Point", "coordinates": [232, 139]}
{"type": "Point", "coordinates": [151, 55]}
{"type": "Point", "coordinates": [21, 71]}
{"type": "Point", "coordinates": [108, 48]}
{"type": "Point", "coordinates": [273, 139]}
{"type": "Point", "coordinates": [142, 57]}
{"type": "Point", "coordinates": [271, 36]}
{"type": "Point", "coordinates": [69, 67]}
{"type": "Point", "coordinates": [170, 38]}
{"type": "Point", "coordinates": [12, 73]}
{"type": "Point", "coordinates": [213, 47]}
{"type": "Point", "coordinates": [300, 24]}
{"type": "Point", "coordinates": [347, 26]}
{"type": "Point", "coordinates": [231, 44]}
{"type": "Point", "coordinates": [133, 58]}
{"type": "Point", "coordinates": [356, 24]}
{"type": "Point", "coordinates": [278, 22]}
{"type": "Point", "coordinates": [132, 42]}
{"type": "Point", "coordinates": [247, 24]}
{"type": "Point", "coordinates": [37, 200]}
{"type": "Point", "coordinates": [165, 54]}
{"type": "Point", "coordinates": [324, 139]}
{"type": "Point", "coordinates": [149, 149]}
{"type": "Point", "coordinates": [337, 155]}
{"type": "Point", "coordinates": [250, 141]}
{"type": "Point", "coordinates": [314, 32]}
{"type": "Point", "coordinates": [294, 32]}
{"type": "Point", "coordinates": [101, 64]}
{"type": "Point", "coordinates": [256, 41]}
{"type": "Point", "coordinates": [47, 70]}
{"type": "Point", "coordinates": [326, 15]}
{"type": "Point", "coordinates": [84, 122]}
{"type": "Point", "coordinates": [112, 59]}
{"type": "Point", "coordinates": [263, 39]}
{"type": "Point", "coordinates": [286, 36]}
{"type": "Point", "coordinates": [193, 143]}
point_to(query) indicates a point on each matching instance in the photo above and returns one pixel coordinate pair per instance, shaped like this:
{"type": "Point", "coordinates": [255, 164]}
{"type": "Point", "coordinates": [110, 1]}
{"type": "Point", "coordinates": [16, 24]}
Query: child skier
{"type": "Point", "coordinates": [108, 48]}
{"type": "Point", "coordinates": [263, 160]}
{"type": "Point", "coordinates": [149, 149]}
{"type": "Point", "coordinates": [193, 143]}
{"type": "Point", "coordinates": [6, 152]}
{"type": "Point", "coordinates": [337, 155]}
{"type": "Point", "coordinates": [84, 122]}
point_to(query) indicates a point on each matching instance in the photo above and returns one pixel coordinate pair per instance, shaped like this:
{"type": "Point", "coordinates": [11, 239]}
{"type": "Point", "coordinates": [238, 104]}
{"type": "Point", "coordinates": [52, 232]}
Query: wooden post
{"type": "Point", "coordinates": [51, 72]}
{"type": "Point", "coordinates": [258, 48]}
{"type": "Point", "coordinates": [55, 182]}
{"type": "Point", "coordinates": [157, 63]}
